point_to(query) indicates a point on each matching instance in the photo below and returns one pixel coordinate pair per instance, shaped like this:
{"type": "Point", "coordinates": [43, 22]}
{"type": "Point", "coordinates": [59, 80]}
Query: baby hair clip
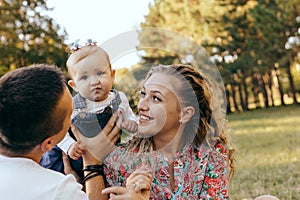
{"type": "Point", "coordinates": [90, 42]}
{"type": "Point", "coordinates": [75, 46]}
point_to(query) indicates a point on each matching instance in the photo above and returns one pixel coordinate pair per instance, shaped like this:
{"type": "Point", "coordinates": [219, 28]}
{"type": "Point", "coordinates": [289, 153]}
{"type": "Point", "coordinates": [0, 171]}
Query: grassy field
{"type": "Point", "coordinates": [267, 145]}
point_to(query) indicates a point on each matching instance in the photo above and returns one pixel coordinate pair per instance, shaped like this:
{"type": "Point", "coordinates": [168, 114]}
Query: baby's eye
{"type": "Point", "coordinates": [99, 73]}
{"type": "Point", "coordinates": [84, 77]}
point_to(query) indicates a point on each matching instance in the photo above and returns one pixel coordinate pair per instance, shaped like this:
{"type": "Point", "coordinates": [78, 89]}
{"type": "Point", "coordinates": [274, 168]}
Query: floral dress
{"type": "Point", "coordinates": [199, 173]}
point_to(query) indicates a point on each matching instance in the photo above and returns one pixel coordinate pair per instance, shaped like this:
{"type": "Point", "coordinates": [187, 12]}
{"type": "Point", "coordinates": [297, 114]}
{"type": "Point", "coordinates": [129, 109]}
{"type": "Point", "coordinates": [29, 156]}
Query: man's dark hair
{"type": "Point", "coordinates": [28, 100]}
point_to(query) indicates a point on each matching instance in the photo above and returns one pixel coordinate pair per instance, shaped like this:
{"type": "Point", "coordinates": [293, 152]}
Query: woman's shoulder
{"type": "Point", "coordinates": [218, 150]}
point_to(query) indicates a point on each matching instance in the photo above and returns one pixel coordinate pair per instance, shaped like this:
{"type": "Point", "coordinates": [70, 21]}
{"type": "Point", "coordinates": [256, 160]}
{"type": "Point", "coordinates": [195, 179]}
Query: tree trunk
{"type": "Point", "coordinates": [266, 81]}
{"type": "Point", "coordinates": [262, 86]}
{"type": "Point", "coordinates": [291, 82]}
{"type": "Point", "coordinates": [269, 85]}
{"type": "Point", "coordinates": [246, 99]}
{"type": "Point", "coordinates": [242, 103]}
{"type": "Point", "coordinates": [234, 98]}
{"type": "Point", "coordinates": [255, 90]}
{"type": "Point", "coordinates": [228, 105]}
{"type": "Point", "coordinates": [277, 73]}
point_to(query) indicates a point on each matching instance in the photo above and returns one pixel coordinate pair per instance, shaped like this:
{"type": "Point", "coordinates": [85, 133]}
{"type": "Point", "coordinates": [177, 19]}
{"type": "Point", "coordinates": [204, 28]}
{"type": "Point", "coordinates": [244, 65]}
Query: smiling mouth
{"type": "Point", "coordinates": [144, 118]}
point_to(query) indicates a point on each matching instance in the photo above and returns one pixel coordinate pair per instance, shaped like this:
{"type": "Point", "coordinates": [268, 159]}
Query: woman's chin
{"type": "Point", "coordinates": [145, 132]}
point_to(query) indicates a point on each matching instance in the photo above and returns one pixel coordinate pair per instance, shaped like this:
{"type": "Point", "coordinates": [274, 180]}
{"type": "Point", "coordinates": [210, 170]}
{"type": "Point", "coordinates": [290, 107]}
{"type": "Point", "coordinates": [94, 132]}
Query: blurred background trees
{"type": "Point", "coordinates": [28, 36]}
{"type": "Point", "coordinates": [254, 44]}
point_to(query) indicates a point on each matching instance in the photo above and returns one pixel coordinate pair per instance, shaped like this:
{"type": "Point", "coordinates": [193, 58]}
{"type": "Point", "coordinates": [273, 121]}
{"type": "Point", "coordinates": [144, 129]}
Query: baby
{"type": "Point", "coordinates": [92, 77]}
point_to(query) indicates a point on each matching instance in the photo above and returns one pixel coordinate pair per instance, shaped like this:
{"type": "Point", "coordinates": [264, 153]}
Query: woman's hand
{"type": "Point", "coordinates": [139, 180]}
{"type": "Point", "coordinates": [137, 187]}
{"type": "Point", "coordinates": [102, 144]}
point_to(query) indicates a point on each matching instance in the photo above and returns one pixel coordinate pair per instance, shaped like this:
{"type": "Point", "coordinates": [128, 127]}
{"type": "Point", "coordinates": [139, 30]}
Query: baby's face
{"type": "Point", "coordinates": [93, 77]}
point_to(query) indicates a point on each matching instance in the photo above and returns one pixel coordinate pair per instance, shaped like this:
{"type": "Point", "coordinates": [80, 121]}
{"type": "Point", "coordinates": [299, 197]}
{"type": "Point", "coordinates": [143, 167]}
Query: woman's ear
{"type": "Point", "coordinates": [72, 85]}
{"type": "Point", "coordinates": [187, 113]}
{"type": "Point", "coordinates": [47, 144]}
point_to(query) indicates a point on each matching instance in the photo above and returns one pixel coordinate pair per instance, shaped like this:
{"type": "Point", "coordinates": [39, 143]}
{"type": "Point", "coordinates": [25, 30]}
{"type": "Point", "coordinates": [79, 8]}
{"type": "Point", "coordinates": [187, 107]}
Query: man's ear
{"type": "Point", "coordinates": [72, 85]}
{"type": "Point", "coordinates": [187, 113]}
{"type": "Point", "coordinates": [47, 144]}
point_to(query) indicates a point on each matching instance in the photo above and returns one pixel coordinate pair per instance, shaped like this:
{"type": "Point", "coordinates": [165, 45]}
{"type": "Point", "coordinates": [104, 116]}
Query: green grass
{"type": "Point", "coordinates": [267, 143]}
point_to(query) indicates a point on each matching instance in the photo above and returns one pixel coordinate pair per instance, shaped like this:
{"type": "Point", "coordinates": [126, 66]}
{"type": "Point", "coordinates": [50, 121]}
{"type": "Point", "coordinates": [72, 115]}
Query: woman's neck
{"type": "Point", "coordinates": [169, 144]}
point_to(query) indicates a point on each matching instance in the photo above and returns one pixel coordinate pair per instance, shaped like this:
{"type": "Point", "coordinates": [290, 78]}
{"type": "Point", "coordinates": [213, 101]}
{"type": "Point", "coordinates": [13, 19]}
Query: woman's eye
{"type": "Point", "coordinates": [155, 98]}
{"type": "Point", "coordinates": [99, 73]}
{"type": "Point", "coordinates": [142, 94]}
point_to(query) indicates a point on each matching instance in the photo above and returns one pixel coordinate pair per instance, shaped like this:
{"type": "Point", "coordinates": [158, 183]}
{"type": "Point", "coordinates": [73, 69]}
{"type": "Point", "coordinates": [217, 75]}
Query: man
{"type": "Point", "coordinates": [35, 114]}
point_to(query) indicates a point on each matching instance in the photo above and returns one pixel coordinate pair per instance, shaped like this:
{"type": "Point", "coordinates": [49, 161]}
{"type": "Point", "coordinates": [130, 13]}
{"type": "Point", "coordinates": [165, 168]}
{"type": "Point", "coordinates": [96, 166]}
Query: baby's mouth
{"type": "Point", "coordinates": [96, 89]}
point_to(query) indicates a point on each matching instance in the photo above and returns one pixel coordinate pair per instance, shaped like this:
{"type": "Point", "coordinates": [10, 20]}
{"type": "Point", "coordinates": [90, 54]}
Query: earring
{"type": "Point", "coordinates": [180, 122]}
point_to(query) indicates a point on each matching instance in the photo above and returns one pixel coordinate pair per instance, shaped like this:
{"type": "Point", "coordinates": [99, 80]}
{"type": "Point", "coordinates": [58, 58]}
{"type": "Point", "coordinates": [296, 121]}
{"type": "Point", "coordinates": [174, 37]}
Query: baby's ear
{"type": "Point", "coordinates": [72, 85]}
{"type": "Point", "coordinates": [113, 72]}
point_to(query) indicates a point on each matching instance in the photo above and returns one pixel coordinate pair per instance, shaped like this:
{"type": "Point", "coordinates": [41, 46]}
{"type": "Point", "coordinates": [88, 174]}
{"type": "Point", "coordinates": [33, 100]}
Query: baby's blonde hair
{"type": "Point", "coordinates": [82, 53]}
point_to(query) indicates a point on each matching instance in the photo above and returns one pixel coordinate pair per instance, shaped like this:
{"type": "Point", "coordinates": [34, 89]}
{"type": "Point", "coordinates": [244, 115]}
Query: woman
{"type": "Point", "coordinates": [180, 139]}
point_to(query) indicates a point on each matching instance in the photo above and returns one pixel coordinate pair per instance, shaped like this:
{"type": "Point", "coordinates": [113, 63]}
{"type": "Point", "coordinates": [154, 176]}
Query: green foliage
{"type": "Point", "coordinates": [246, 39]}
{"type": "Point", "coordinates": [193, 19]}
{"type": "Point", "coordinates": [259, 31]}
{"type": "Point", "coordinates": [267, 158]}
{"type": "Point", "coordinates": [28, 36]}
{"type": "Point", "coordinates": [254, 33]}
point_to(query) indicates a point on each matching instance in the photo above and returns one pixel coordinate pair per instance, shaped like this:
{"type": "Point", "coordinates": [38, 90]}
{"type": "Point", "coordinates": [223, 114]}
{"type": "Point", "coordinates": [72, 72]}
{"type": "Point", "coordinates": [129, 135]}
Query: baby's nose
{"type": "Point", "coordinates": [96, 81]}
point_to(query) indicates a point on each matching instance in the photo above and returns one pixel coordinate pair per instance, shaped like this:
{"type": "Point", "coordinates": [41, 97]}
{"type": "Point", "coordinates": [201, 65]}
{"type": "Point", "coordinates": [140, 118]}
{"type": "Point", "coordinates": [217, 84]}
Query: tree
{"type": "Point", "coordinates": [249, 41]}
{"type": "Point", "coordinates": [190, 18]}
{"type": "Point", "coordinates": [28, 36]}
{"type": "Point", "coordinates": [257, 35]}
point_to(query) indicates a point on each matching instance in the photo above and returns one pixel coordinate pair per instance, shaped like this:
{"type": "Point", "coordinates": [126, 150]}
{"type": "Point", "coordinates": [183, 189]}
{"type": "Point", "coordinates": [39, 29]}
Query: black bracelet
{"type": "Point", "coordinates": [94, 170]}
{"type": "Point", "coordinates": [91, 175]}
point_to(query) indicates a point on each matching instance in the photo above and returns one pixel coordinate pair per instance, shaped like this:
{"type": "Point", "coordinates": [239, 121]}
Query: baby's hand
{"type": "Point", "coordinates": [76, 150]}
{"type": "Point", "coordinates": [130, 126]}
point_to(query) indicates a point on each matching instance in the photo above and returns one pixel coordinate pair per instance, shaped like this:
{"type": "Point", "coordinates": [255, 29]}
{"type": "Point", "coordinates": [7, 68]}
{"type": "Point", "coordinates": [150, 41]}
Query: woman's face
{"type": "Point", "coordinates": [158, 107]}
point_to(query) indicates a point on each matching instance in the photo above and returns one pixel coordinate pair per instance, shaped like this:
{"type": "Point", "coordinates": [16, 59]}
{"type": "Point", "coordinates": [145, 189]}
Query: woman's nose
{"type": "Point", "coordinates": [143, 104]}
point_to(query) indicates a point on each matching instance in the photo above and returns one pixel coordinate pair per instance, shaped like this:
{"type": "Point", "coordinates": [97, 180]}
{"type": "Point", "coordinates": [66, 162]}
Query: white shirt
{"type": "Point", "coordinates": [95, 107]}
{"type": "Point", "coordinates": [24, 179]}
